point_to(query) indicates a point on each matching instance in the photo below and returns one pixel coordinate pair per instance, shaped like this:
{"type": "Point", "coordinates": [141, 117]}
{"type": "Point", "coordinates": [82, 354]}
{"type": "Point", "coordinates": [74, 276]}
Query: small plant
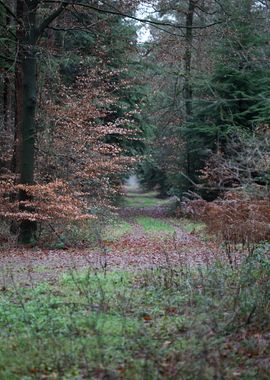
{"type": "Point", "coordinates": [166, 323]}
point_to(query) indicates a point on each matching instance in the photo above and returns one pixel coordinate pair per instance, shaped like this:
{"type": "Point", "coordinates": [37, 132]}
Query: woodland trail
{"type": "Point", "coordinates": [153, 239]}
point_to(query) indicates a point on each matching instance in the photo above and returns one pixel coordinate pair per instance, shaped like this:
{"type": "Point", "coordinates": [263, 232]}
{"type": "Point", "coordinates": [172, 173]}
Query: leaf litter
{"type": "Point", "coordinates": [136, 250]}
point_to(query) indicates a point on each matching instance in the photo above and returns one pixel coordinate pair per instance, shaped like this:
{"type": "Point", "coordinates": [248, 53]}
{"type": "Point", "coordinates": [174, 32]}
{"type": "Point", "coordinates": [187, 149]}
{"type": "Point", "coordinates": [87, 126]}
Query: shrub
{"type": "Point", "coordinates": [235, 220]}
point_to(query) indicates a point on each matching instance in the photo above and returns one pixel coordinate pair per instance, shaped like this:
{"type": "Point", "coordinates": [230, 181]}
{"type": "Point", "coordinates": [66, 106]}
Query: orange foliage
{"type": "Point", "coordinates": [50, 202]}
{"type": "Point", "coordinates": [78, 168]}
{"type": "Point", "coordinates": [236, 219]}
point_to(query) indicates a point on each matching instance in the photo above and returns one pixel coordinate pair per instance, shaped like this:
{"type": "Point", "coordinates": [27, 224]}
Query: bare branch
{"type": "Point", "coordinates": [9, 10]}
{"type": "Point", "coordinates": [8, 59]}
{"type": "Point", "coordinates": [50, 18]}
{"type": "Point", "coordinates": [119, 13]}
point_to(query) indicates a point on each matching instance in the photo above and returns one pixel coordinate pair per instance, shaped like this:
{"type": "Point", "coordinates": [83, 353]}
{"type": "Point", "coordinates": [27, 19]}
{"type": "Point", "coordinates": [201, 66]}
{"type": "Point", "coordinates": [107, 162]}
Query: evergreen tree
{"type": "Point", "coordinates": [229, 91]}
{"type": "Point", "coordinates": [234, 96]}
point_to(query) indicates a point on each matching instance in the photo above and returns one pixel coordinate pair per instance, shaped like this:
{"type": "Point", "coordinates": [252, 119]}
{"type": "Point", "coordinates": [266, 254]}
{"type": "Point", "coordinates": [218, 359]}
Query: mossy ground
{"type": "Point", "coordinates": [141, 200]}
{"type": "Point", "coordinates": [170, 323]}
{"type": "Point", "coordinates": [207, 322]}
{"type": "Point", "coordinates": [116, 230]}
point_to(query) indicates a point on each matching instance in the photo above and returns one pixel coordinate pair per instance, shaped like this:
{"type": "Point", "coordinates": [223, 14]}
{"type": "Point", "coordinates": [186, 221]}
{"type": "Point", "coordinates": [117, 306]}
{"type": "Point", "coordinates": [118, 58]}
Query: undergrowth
{"type": "Point", "coordinates": [237, 221]}
{"type": "Point", "coordinates": [167, 323]}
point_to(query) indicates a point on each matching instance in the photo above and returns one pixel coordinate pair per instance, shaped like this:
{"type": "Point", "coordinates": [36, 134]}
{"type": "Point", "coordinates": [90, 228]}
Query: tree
{"type": "Point", "coordinates": [33, 20]}
{"type": "Point", "coordinates": [180, 58]}
{"type": "Point", "coordinates": [213, 82]}
{"type": "Point", "coordinates": [239, 86]}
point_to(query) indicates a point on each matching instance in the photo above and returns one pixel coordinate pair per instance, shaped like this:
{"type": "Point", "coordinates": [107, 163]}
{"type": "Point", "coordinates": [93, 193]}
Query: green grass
{"type": "Point", "coordinates": [189, 225]}
{"type": "Point", "coordinates": [153, 225]}
{"type": "Point", "coordinates": [161, 324]}
{"type": "Point", "coordinates": [42, 268]}
{"type": "Point", "coordinates": [143, 200]}
{"type": "Point", "coordinates": [116, 229]}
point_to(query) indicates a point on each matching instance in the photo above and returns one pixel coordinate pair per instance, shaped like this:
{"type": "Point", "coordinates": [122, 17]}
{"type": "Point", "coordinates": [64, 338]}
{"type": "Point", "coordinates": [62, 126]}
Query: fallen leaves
{"type": "Point", "coordinates": [134, 250]}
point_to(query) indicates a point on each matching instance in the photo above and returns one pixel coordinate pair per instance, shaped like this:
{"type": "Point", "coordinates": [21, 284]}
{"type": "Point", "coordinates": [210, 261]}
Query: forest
{"type": "Point", "coordinates": [135, 189]}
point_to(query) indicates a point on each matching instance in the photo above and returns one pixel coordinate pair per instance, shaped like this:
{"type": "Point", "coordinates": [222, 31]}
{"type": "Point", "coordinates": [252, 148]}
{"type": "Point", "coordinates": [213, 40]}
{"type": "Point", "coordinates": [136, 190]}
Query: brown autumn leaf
{"type": "Point", "coordinates": [147, 318]}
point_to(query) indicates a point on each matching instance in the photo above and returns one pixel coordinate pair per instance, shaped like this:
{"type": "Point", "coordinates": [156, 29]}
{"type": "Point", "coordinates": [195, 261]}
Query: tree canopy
{"type": "Point", "coordinates": [84, 101]}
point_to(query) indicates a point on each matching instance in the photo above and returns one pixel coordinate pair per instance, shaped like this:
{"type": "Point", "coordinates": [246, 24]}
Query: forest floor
{"type": "Point", "coordinates": [142, 235]}
{"type": "Point", "coordinates": [155, 300]}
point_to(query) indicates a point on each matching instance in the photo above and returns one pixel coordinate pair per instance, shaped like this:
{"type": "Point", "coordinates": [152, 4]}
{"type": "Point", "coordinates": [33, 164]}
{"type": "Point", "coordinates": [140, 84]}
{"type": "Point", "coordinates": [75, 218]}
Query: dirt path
{"type": "Point", "coordinates": [135, 250]}
{"type": "Point", "coordinates": [144, 249]}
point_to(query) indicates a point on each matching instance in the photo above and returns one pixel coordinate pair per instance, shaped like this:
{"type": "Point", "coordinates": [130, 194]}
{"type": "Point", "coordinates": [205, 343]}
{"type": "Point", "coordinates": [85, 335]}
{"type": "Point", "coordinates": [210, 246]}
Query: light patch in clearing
{"type": "Point", "coordinates": [153, 225]}
{"type": "Point", "coordinates": [144, 200]}
{"type": "Point", "coordinates": [116, 230]}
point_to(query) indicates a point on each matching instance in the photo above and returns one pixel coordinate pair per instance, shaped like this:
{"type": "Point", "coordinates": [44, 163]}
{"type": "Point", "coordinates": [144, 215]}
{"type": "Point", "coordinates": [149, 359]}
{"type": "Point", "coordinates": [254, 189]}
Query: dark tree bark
{"type": "Point", "coordinates": [26, 98]}
{"type": "Point", "coordinates": [188, 73]}
{"type": "Point", "coordinates": [20, 35]}
{"type": "Point", "coordinates": [188, 58]}
{"type": "Point", "coordinates": [26, 107]}
{"type": "Point", "coordinates": [6, 19]}
{"type": "Point", "coordinates": [7, 102]}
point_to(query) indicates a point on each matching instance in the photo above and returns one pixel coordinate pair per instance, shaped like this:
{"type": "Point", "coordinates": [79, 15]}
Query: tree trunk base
{"type": "Point", "coordinates": [27, 233]}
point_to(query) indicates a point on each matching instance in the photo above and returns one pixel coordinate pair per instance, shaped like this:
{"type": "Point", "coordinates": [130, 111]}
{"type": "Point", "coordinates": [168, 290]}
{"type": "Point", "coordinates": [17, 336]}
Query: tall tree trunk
{"type": "Point", "coordinates": [17, 118]}
{"type": "Point", "coordinates": [19, 10]}
{"type": "Point", "coordinates": [20, 37]}
{"type": "Point", "coordinates": [188, 59]}
{"type": "Point", "coordinates": [188, 73]}
{"type": "Point", "coordinates": [7, 82]}
{"type": "Point", "coordinates": [27, 95]}
{"type": "Point", "coordinates": [26, 128]}
{"type": "Point", "coordinates": [27, 154]}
